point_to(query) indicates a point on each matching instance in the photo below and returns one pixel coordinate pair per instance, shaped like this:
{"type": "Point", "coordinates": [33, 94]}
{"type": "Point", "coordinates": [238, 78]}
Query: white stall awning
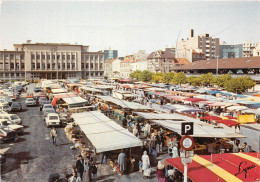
{"type": "Point", "coordinates": [104, 133]}
{"type": "Point", "coordinates": [200, 130]}
{"type": "Point", "coordinates": [74, 100]}
{"type": "Point", "coordinates": [60, 90]}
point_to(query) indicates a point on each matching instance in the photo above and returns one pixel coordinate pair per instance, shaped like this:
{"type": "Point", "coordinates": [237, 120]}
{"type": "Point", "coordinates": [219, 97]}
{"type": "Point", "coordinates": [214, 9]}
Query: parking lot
{"type": "Point", "coordinates": [32, 157]}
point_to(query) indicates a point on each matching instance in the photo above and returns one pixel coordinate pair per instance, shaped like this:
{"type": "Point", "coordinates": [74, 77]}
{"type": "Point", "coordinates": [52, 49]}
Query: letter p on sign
{"type": "Point", "coordinates": [187, 128]}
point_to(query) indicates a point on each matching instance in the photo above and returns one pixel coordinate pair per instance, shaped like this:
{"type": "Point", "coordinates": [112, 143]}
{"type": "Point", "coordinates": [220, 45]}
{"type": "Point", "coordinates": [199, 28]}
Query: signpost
{"type": "Point", "coordinates": [187, 144]}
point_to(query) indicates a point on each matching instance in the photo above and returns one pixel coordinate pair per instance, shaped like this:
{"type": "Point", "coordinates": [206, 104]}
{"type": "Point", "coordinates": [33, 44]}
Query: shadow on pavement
{"type": "Point", "coordinates": [24, 133]}
{"type": "Point", "coordinates": [19, 158]}
{"type": "Point", "coordinates": [69, 143]}
{"type": "Point", "coordinates": [19, 140]}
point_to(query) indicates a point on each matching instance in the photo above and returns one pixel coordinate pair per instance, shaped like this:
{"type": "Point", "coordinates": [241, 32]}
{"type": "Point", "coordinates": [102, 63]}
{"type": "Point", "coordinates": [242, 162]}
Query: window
{"type": "Point", "coordinates": [101, 65]}
{"type": "Point", "coordinates": [87, 65]}
{"type": "Point", "coordinates": [91, 65]}
{"type": "Point", "coordinates": [63, 65]}
{"type": "Point", "coordinates": [101, 73]}
{"type": "Point", "coordinates": [91, 57]}
{"type": "Point", "coordinates": [53, 66]}
{"type": "Point", "coordinates": [1, 66]}
{"type": "Point", "coordinates": [11, 56]}
{"type": "Point", "coordinates": [73, 57]}
{"type": "Point", "coordinates": [86, 57]}
{"type": "Point", "coordinates": [17, 65]}
{"type": "Point", "coordinates": [6, 56]}
{"type": "Point", "coordinates": [12, 75]}
{"type": "Point", "coordinates": [17, 56]}
{"type": "Point", "coordinates": [58, 56]}
{"type": "Point", "coordinates": [101, 57]}
{"type": "Point", "coordinates": [22, 65]}
{"type": "Point", "coordinates": [68, 65]}
{"type": "Point", "coordinates": [38, 56]}
{"type": "Point", "coordinates": [48, 66]}
{"type": "Point", "coordinates": [43, 66]}
{"type": "Point", "coordinates": [63, 56]}
{"type": "Point", "coordinates": [82, 65]}
{"type": "Point", "coordinates": [12, 65]}
{"type": "Point", "coordinates": [68, 56]}
{"type": "Point", "coordinates": [73, 66]}
{"type": "Point", "coordinates": [17, 74]}
{"type": "Point", "coordinates": [48, 56]}
{"type": "Point", "coordinates": [1, 56]}
{"type": "Point", "coordinates": [33, 56]}
{"type": "Point", "coordinates": [38, 65]}
{"type": "Point", "coordinates": [96, 65]}
{"type": "Point", "coordinates": [53, 56]}
{"type": "Point", "coordinates": [43, 56]}
{"type": "Point", "coordinates": [33, 66]}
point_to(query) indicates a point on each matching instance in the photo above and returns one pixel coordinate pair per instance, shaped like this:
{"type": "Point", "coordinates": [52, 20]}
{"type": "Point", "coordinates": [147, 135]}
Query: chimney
{"type": "Point", "coordinates": [191, 33]}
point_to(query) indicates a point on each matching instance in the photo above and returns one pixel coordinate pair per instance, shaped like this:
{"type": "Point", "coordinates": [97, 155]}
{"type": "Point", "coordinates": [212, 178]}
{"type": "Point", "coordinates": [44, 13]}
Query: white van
{"type": "Point", "coordinates": [11, 117]}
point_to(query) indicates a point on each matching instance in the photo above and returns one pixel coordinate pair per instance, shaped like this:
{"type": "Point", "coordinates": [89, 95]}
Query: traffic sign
{"type": "Point", "coordinates": [187, 143]}
{"type": "Point", "coordinates": [187, 128]}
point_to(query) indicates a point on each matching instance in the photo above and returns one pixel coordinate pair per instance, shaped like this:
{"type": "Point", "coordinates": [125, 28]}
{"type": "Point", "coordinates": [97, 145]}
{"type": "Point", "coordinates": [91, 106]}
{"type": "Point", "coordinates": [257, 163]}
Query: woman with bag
{"type": "Point", "coordinates": [146, 165]}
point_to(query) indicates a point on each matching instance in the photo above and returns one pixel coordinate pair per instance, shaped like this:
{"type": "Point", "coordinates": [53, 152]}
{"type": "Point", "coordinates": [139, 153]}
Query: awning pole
{"type": "Point", "coordinates": [185, 172]}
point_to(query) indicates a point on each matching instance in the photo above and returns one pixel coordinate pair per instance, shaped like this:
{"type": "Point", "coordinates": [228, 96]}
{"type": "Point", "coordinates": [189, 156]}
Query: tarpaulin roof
{"type": "Point", "coordinates": [61, 90]}
{"type": "Point", "coordinates": [200, 129]}
{"type": "Point", "coordinates": [64, 95]}
{"type": "Point", "coordinates": [194, 99]}
{"type": "Point", "coordinates": [211, 118]}
{"type": "Point", "coordinates": [228, 122]}
{"type": "Point", "coordinates": [104, 133]}
{"type": "Point", "coordinates": [225, 167]}
{"type": "Point", "coordinates": [74, 100]}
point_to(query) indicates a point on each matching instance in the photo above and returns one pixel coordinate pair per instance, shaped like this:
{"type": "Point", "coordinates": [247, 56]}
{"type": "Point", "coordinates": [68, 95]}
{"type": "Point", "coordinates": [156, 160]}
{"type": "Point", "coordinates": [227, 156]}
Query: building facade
{"type": "Point", "coordinates": [161, 61]}
{"type": "Point", "coordinates": [140, 61]}
{"type": "Point", "coordinates": [230, 51]}
{"type": "Point", "coordinates": [256, 51]}
{"type": "Point", "coordinates": [125, 68]}
{"type": "Point", "coordinates": [191, 54]}
{"type": "Point", "coordinates": [50, 61]}
{"type": "Point", "coordinates": [110, 54]}
{"type": "Point", "coordinates": [209, 46]}
{"type": "Point", "coordinates": [248, 48]}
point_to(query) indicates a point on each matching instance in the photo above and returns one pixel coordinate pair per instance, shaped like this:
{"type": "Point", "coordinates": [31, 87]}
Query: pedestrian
{"type": "Point", "coordinates": [146, 164]}
{"type": "Point", "coordinates": [246, 147]}
{"type": "Point", "coordinates": [153, 144]}
{"type": "Point", "coordinates": [87, 169]}
{"type": "Point", "coordinates": [121, 162]}
{"type": "Point", "coordinates": [124, 122]}
{"type": "Point", "coordinates": [170, 146]}
{"type": "Point", "coordinates": [160, 172]}
{"type": "Point", "coordinates": [54, 135]}
{"type": "Point", "coordinates": [175, 151]}
{"type": "Point", "coordinates": [103, 157]}
{"type": "Point", "coordinates": [94, 172]}
{"type": "Point", "coordinates": [75, 178]}
{"type": "Point", "coordinates": [80, 166]}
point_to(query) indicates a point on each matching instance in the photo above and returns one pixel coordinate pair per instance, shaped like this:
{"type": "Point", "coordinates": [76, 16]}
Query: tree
{"type": "Point", "coordinates": [145, 76]}
{"type": "Point", "coordinates": [207, 79]}
{"type": "Point", "coordinates": [135, 74]}
{"type": "Point", "coordinates": [179, 78]}
{"type": "Point", "coordinates": [239, 84]}
{"type": "Point", "coordinates": [194, 80]}
{"type": "Point", "coordinates": [168, 77]}
{"type": "Point", "coordinates": [221, 80]}
{"type": "Point", "coordinates": [158, 77]}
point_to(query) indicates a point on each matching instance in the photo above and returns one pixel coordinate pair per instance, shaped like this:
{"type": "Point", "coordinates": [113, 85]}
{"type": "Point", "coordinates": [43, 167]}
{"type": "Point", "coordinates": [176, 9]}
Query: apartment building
{"type": "Point", "coordinates": [209, 46]}
{"type": "Point", "coordinates": [161, 61]}
{"type": "Point", "coordinates": [125, 68]}
{"type": "Point", "coordinates": [50, 61]}
{"type": "Point", "coordinates": [248, 48]}
{"type": "Point", "coordinates": [191, 55]}
{"type": "Point", "coordinates": [140, 61]}
{"type": "Point", "coordinates": [230, 51]}
{"type": "Point", "coordinates": [110, 54]}
{"type": "Point", "coordinates": [256, 51]}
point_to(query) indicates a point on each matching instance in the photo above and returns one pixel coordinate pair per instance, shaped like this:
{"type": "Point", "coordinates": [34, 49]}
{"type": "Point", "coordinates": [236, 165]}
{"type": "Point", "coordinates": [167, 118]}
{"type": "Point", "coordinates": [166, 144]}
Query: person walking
{"type": "Point", "coordinates": [121, 162]}
{"type": "Point", "coordinates": [246, 147]}
{"type": "Point", "coordinates": [87, 169]}
{"type": "Point", "coordinates": [80, 166]}
{"type": "Point", "coordinates": [146, 164]}
{"type": "Point", "coordinates": [160, 172]}
{"type": "Point", "coordinates": [54, 135]}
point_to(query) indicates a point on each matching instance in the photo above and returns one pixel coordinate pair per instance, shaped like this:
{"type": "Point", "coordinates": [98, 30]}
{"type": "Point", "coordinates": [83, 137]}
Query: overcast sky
{"type": "Point", "coordinates": [127, 26]}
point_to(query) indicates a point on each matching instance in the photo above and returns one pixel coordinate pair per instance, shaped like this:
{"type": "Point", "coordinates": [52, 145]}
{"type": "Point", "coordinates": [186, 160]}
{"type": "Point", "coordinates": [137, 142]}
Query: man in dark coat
{"type": "Point", "coordinates": [80, 166]}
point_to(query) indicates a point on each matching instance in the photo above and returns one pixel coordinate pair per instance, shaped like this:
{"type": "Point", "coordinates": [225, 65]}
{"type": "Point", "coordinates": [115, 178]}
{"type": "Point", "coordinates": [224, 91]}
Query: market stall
{"type": "Point", "coordinates": [75, 102]}
{"type": "Point", "coordinates": [223, 167]}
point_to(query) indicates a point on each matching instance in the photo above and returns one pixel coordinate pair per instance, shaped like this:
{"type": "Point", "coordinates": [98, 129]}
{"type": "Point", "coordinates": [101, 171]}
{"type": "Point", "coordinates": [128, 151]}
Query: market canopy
{"type": "Point", "coordinates": [124, 103]}
{"type": "Point", "coordinates": [104, 133]}
{"type": "Point", "coordinates": [225, 167]}
{"type": "Point", "coordinates": [89, 89]}
{"type": "Point", "coordinates": [75, 101]}
{"type": "Point", "coordinates": [200, 129]}
{"type": "Point", "coordinates": [61, 90]}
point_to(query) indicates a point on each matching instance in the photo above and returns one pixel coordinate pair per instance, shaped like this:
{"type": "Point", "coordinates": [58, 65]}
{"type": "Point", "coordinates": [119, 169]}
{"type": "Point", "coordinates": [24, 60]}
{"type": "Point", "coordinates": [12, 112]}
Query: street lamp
{"type": "Point", "coordinates": [217, 66]}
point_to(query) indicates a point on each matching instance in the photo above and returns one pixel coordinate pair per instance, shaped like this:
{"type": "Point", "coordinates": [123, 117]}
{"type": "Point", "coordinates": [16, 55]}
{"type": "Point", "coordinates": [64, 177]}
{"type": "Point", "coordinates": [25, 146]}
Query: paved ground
{"type": "Point", "coordinates": [32, 158]}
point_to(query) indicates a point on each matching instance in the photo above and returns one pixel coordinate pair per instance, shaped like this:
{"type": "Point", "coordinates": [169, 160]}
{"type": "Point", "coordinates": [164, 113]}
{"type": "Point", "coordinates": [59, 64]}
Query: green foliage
{"type": "Point", "coordinates": [194, 80]}
{"type": "Point", "coordinates": [179, 78]}
{"type": "Point", "coordinates": [221, 80]}
{"type": "Point", "coordinates": [158, 77]}
{"type": "Point", "coordinates": [207, 79]}
{"type": "Point", "coordinates": [168, 77]}
{"type": "Point", "coordinates": [145, 76]}
{"type": "Point", "coordinates": [239, 84]}
{"type": "Point", "coordinates": [135, 74]}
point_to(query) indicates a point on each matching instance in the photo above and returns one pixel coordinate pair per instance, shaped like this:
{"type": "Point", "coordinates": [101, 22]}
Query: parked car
{"type": "Point", "coordinates": [41, 99]}
{"type": "Point", "coordinates": [7, 133]}
{"type": "Point", "coordinates": [48, 110]}
{"type": "Point", "coordinates": [11, 117]}
{"type": "Point", "coordinates": [29, 95]}
{"type": "Point", "coordinates": [52, 119]}
{"type": "Point", "coordinates": [30, 102]}
{"type": "Point", "coordinates": [42, 94]}
{"type": "Point", "coordinates": [3, 101]}
{"type": "Point", "coordinates": [15, 127]}
{"type": "Point", "coordinates": [3, 112]}
{"type": "Point", "coordinates": [45, 106]}
{"type": "Point", "coordinates": [43, 103]}
{"type": "Point", "coordinates": [37, 89]}
{"type": "Point", "coordinates": [5, 108]}
{"type": "Point", "coordinates": [16, 106]}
